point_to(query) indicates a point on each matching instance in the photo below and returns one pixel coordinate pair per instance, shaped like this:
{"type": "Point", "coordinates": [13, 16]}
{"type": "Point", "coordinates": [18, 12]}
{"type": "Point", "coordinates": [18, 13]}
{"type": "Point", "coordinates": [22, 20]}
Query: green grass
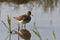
{"type": "Point", "coordinates": [54, 35]}
{"type": "Point", "coordinates": [36, 32]}
{"type": "Point", "coordinates": [9, 20]}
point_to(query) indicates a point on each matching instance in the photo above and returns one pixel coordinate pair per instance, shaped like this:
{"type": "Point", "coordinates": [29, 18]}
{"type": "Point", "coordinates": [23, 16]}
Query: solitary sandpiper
{"type": "Point", "coordinates": [26, 18]}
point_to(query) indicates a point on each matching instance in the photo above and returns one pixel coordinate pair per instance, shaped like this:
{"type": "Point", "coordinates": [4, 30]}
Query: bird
{"type": "Point", "coordinates": [24, 19]}
{"type": "Point", "coordinates": [24, 34]}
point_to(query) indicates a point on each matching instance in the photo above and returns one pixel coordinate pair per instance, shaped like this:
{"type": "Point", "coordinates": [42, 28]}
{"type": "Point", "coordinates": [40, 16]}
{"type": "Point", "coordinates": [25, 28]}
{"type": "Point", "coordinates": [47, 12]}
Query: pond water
{"type": "Point", "coordinates": [41, 18]}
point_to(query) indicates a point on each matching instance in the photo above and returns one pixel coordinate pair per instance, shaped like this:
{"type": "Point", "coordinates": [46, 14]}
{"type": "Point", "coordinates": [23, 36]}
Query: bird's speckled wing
{"type": "Point", "coordinates": [22, 17]}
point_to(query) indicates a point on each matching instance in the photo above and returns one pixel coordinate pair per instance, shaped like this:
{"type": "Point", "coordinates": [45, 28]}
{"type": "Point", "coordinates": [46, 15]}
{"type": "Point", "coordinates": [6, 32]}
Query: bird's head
{"type": "Point", "coordinates": [29, 13]}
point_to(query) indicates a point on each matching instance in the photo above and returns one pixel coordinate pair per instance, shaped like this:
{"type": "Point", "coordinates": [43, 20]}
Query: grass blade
{"type": "Point", "coordinates": [9, 20]}
{"type": "Point", "coordinates": [37, 33]}
{"type": "Point", "coordinates": [5, 24]}
{"type": "Point", "coordinates": [54, 35]}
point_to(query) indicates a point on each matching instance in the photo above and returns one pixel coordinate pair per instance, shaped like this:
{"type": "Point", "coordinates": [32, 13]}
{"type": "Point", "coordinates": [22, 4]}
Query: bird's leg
{"type": "Point", "coordinates": [21, 26]}
{"type": "Point", "coordinates": [24, 26]}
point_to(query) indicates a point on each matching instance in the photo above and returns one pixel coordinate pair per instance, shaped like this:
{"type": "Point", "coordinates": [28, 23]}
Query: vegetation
{"type": "Point", "coordinates": [54, 35]}
{"type": "Point", "coordinates": [35, 30]}
{"type": "Point", "coordinates": [45, 3]}
{"type": "Point", "coordinates": [8, 27]}
{"type": "Point", "coordinates": [37, 33]}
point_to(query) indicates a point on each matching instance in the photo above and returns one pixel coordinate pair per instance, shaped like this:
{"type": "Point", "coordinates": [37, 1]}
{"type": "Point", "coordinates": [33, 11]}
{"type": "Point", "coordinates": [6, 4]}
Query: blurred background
{"type": "Point", "coordinates": [46, 18]}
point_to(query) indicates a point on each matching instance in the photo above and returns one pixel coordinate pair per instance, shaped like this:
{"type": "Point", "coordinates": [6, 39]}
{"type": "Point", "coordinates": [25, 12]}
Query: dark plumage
{"type": "Point", "coordinates": [24, 18]}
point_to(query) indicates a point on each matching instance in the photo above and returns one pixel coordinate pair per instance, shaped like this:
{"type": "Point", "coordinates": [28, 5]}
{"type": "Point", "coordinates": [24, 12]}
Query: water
{"type": "Point", "coordinates": [41, 18]}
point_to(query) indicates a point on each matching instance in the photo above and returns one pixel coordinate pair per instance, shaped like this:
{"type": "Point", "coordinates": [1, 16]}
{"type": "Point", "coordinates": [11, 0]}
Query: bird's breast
{"type": "Point", "coordinates": [26, 20]}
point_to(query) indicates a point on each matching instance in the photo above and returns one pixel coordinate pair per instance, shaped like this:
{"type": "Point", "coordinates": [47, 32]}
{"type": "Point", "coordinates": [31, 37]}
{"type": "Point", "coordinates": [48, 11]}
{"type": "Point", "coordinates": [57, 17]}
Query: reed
{"type": "Point", "coordinates": [54, 35]}
{"type": "Point", "coordinates": [36, 32]}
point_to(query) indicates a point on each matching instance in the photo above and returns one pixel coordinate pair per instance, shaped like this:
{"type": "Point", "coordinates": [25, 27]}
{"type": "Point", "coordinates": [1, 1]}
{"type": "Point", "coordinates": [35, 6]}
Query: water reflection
{"type": "Point", "coordinates": [42, 21]}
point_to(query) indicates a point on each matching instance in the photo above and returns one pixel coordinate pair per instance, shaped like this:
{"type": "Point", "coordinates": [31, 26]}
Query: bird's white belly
{"type": "Point", "coordinates": [21, 21]}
